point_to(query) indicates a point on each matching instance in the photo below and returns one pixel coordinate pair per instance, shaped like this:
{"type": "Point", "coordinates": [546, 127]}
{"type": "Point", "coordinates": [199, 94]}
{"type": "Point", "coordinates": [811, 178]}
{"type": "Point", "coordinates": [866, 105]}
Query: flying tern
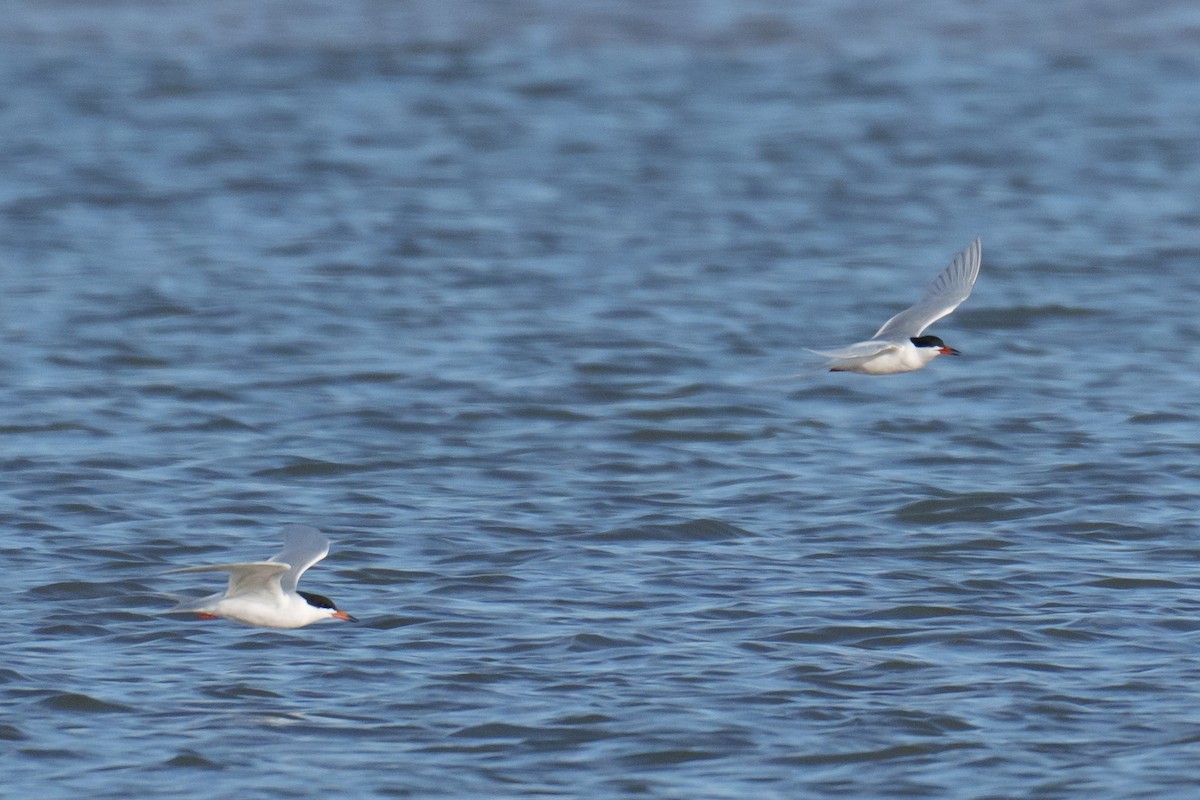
{"type": "Point", "coordinates": [264, 593]}
{"type": "Point", "coordinates": [900, 346]}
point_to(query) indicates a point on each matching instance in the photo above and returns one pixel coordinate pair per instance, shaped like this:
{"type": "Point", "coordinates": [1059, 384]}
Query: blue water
{"type": "Point", "coordinates": [509, 299]}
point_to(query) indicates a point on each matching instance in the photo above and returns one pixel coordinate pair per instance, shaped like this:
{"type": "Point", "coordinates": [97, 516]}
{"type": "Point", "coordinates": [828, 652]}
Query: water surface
{"type": "Point", "coordinates": [509, 300]}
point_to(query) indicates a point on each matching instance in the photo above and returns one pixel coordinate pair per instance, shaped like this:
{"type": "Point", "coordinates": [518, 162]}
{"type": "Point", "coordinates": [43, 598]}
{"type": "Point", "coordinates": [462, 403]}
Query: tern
{"type": "Point", "coordinates": [900, 346]}
{"type": "Point", "coordinates": [264, 593]}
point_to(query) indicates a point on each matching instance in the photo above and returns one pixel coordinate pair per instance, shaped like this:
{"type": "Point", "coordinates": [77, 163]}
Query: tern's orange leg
{"type": "Point", "coordinates": [203, 615]}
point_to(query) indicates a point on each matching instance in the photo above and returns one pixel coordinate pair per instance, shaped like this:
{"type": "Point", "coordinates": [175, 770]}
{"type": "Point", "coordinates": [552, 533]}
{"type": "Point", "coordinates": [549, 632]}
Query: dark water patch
{"type": "Point", "coordinates": [495, 730]}
{"type": "Point", "coordinates": [145, 637]}
{"type": "Point", "coordinates": [727, 614]}
{"type": "Point", "coordinates": [918, 612]}
{"type": "Point", "coordinates": [497, 554]}
{"type": "Point", "coordinates": [1158, 418]}
{"type": "Point", "coordinates": [355, 498]}
{"type": "Point", "coordinates": [1072, 634]}
{"type": "Point", "coordinates": [110, 463]}
{"type": "Point", "coordinates": [1098, 530]}
{"type": "Point", "coordinates": [376, 377]}
{"type": "Point", "coordinates": [973, 507]}
{"type": "Point", "coordinates": [476, 415]}
{"type": "Point", "coordinates": [560, 738]}
{"type": "Point", "coordinates": [902, 752]}
{"type": "Point", "coordinates": [134, 361]}
{"type": "Point", "coordinates": [87, 510]}
{"type": "Point", "coordinates": [246, 638]}
{"type": "Point", "coordinates": [392, 423]}
{"type": "Point", "coordinates": [82, 703]}
{"type": "Point", "coordinates": [468, 585]}
{"type": "Point", "coordinates": [698, 530]}
{"type": "Point", "coordinates": [914, 425]}
{"type": "Point", "coordinates": [517, 476]}
{"type": "Point", "coordinates": [152, 305]}
{"type": "Point", "coordinates": [389, 622]}
{"type": "Point", "coordinates": [668, 757]}
{"type": "Point", "coordinates": [383, 576]}
{"type": "Point", "coordinates": [10, 676]}
{"type": "Point", "coordinates": [587, 642]}
{"type": "Point", "coordinates": [944, 459]}
{"type": "Point", "coordinates": [241, 512]}
{"type": "Point", "coordinates": [974, 546]}
{"type": "Point", "coordinates": [673, 412]}
{"type": "Point", "coordinates": [318, 468]}
{"type": "Point", "coordinates": [838, 634]}
{"type": "Point", "coordinates": [903, 665]}
{"type": "Point", "coordinates": [532, 537]}
{"type": "Point", "coordinates": [647, 364]}
{"type": "Point", "coordinates": [211, 424]}
{"type": "Point", "coordinates": [78, 590]}
{"type": "Point", "coordinates": [189, 759]}
{"type": "Point", "coordinates": [72, 629]}
{"type": "Point", "coordinates": [593, 718]}
{"type": "Point", "coordinates": [49, 753]}
{"type": "Point", "coordinates": [826, 391]}
{"type": "Point", "coordinates": [50, 427]}
{"type": "Point", "coordinates": [1127, 582]}
{"type": "Point", "coordinates": [655, 435]}
{"type": "Point", "coordinates": [919, 723]}
{"type": "Point", "coordinates": [239, 692]}
{"type": "Point", "coordinates": [548, 413]}
{"type": "Point", "coordinates": [549, 88]}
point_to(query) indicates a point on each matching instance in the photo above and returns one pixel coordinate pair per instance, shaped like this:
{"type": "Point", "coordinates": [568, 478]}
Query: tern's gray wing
{"type": "Point", "coordinates": [248, 578]}
{"type": "Point", "coordinates": [857, 350]}
{"type": "Point", "coordinates": [303, 546]}
{"type": "Point", "coordinates": [945, 294]}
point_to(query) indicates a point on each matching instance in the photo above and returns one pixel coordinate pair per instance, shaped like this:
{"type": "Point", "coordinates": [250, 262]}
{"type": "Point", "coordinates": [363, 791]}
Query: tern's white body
{"type": "Point", "coordinates": [264, 593]}
{"type": "Point", "coordinates": [898, 346]}
{"type": "Point", "coordinates": [269, 610]}
{"type": "Point", "coordinates": [896, 357]}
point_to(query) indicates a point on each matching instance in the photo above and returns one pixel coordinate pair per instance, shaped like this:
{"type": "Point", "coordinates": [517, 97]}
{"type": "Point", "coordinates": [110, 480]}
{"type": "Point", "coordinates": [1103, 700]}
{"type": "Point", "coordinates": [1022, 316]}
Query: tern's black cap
{"type": "Point", "coordinates": [317, 600]}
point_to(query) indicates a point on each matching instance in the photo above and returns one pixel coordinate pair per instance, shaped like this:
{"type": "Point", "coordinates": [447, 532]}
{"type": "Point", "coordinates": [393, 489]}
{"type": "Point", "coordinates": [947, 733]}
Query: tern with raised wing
{"type": "Point", "coordinates": [264, 593]}
{"type": "Point", "coordinates": [900, 346]}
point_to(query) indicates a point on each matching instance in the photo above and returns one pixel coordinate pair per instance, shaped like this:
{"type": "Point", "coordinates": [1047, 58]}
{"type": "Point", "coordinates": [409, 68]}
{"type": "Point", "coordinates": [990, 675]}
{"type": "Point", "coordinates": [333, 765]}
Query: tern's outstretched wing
{"type": "Point", "coordinates": [303, 546]}
{"type": "Point", "coordinates": [945, 294]}
{"type": "Point", "coordinates": [857, 350]}
{"type": "Point", "coordinates": [255, 576]}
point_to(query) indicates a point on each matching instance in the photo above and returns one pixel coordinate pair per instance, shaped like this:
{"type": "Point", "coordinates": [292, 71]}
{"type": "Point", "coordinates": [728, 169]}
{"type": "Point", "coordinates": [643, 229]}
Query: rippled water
{"type": "Point", "coordinates": [509, 300]}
